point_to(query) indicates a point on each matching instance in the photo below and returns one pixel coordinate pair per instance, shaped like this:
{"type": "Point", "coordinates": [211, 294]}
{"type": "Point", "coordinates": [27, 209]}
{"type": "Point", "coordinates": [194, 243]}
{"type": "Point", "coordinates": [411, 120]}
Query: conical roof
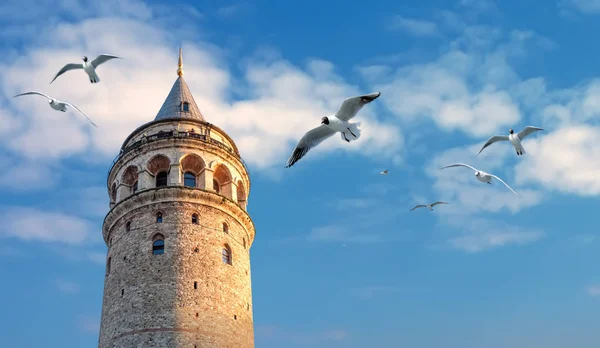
{"type": "Point", "coordinates": [180, 103]}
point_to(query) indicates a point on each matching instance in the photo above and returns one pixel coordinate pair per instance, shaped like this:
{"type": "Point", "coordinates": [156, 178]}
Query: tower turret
{"type": "Point", "coordinates": [178, 235]}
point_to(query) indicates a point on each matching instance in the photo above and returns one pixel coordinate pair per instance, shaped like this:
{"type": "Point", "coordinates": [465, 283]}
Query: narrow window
{"type": "Point", "coordinates": [247, 306]}
{"type": "Point", "coordinates": [185, 106]}
{"type": "Point", "coordinates": [122, 292]}
{"type": "Point", "coordinates": [225, 227]}
{"type": "Point", "coordinates": [216, 186]}
{"type": "Point", "coordinates": [195, 285]}
{"type": "Point", "coordinates": [135, 187]}
{"type": "Point", "coordinates": [128, 226]}
{"type": "Point", "coordinates": [226, 255]}
{"type": "Point", "coordinates": [189, 179]}
{"type": "Point", "coordinates": [244, 240]}
{"type": "Point", "coordinates": [235, 317]}
{"type": "Point", "coordinates": [158, 246]}
{"type": "Point", "coordinates": [159, 217]}
{"type": "Point", "coordinates": [161, 179]}
{"type": "Point", "coordinates": [196, 317]}
{"type": "Point", "coordinates": [195, 219]}
{"type": "Point", "coordinates": [108, 266]}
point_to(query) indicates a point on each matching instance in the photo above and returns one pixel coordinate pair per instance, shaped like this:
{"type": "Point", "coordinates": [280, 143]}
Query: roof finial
{"type": "Point", "coordinates": [180, 65]}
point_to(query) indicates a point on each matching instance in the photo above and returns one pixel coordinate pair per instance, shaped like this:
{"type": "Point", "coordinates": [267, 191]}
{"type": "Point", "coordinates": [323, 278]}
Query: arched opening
{"type": "Point", "coordinates": [128, 226]}
{"type": "Point", "coordinates": [130, 177]}
{"type": "Point", "coordinates": [159, 217]}
{"type": "Point", "coordinates": [216, 186]}
{"type": "Point", "coordinates": [241, 194]}
{"type": "Point", "coordinates": [195, 219]}
{"type": "Point", "coordinates": [225, 227]}
{"type": "Point", "coordinates": [135, 187]}
{"type": "Point", "coordinates": [161, 179]}
{"type": "Point", "coordinates": [226, 254]}
{"type": "Point", "coordinates": [223, 178]}
{"type": "Point", "coordinates": [113, 192]}
{"type": "Point", "coordinates": [159, 167]}
{"type": "Point", "coordinates": [244, 242]}
{"type": "Point", "coordinates": [189, 179]}
{"type": "Point", "coordinates": [185, 107]}
{"type": "Point", "coordinates": [158, 244]}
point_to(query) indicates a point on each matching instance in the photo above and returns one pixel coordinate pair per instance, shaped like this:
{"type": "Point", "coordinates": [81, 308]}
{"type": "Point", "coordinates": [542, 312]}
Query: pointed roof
{"type": "Point", "coordinates": [174, 106]}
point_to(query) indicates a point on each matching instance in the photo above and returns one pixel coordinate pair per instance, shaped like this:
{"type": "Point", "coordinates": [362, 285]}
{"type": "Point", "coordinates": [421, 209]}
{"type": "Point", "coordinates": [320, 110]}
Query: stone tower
{"type": "Point", "coordinates": [178, 235]}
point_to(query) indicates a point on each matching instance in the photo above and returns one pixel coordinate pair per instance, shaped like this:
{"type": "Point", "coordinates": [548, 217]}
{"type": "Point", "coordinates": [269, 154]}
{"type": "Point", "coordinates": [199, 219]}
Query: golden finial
{"type": "Point", "coordinates": [180, 65]}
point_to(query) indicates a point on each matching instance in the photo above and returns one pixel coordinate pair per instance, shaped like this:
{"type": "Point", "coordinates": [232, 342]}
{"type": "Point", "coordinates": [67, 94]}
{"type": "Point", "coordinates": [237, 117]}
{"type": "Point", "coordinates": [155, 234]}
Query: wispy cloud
{"type": "Point", "coordinates": [32, 224]}
{"type": "Point", "coordinates": [291, 336]}
{"type": "Point", "coordinates": [66, 287]}
{"type": "Point", "coordinates": [416, 27]}
{"type": "Point", "coordinates": [89, 324]}
{"type": "Point", "coordinates": [591, 7]}
{"type": "Point", "coordinates": [331, 233]}
{"type": "Point", "coordinates": [593, 290]}
{"type": "Point", "coordinates": [233, 9]}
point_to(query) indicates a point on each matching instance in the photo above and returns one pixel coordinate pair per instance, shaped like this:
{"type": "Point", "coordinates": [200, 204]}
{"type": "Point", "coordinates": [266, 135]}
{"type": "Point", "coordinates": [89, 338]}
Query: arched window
{"type": "Point", "coordinates": [216, 186]}
{"type": "Point", "coordinates": [225, 227]}
{"type": "Point", "coordinates": [159, 217]}
{"type": "Point", "coordinates": [195, 219]}
{"type": "Point", "coordinates": [158, 245]}
{"type": "Point", "coordinates": [226, 255]}
{"type": "Point", "coordinates": [128, 226]}
{"type": "Point", "coordinates": [161, 179]}
{"type": "Point", "coordinates": [185, 107]}
{"type": "Point", "coordinates": [135, 187]}
{"type": "Point", "coordinates": [189, 179]}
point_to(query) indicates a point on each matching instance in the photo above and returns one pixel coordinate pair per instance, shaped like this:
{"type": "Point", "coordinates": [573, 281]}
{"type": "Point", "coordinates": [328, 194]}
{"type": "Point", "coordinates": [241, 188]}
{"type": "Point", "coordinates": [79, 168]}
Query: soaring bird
{"type": "Point", "coordinates": [87, 66]}
{"type": "Point", "coordinates": [333, 124]}
{"type": "Point", "coordinates": [481, 175]}
{"type": "Point", "coordinates": [384, 172]}
{"type": "Point", "coordinates": [57, 104]}
{"type": "Point", "coordinates": [515, 139]}
{"type": "Point", "coordinates": [428, 206]}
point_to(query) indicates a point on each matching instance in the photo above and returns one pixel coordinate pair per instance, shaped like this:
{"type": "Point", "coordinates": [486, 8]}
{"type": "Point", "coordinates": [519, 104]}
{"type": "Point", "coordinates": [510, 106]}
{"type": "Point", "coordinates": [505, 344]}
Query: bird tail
{"type": "Point", "coordinates": [354, 130]}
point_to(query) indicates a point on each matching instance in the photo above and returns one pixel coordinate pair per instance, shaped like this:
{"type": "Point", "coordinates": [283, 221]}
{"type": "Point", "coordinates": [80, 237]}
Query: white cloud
{"type": "Point", "coordinates": [66, 287]}
{"type": "Point", "coordinates": [31, 224]}
{"type": "Point", "coordinates": [89, 324]}
{"type": "Point", "coordinates": [593, 290]}
{"type": "Point", "coordinates": [476, 234]}
{"type": "Point", "coordinates": [583, 6]}
{"type": "Point", "coordinates": [281, 103]}
{"type": "Point", "coordinates": [413, 26]}
{"type": "Point", "coordinates": [567, 160]}
{"type": "Point", "coordinates": [335, 233]}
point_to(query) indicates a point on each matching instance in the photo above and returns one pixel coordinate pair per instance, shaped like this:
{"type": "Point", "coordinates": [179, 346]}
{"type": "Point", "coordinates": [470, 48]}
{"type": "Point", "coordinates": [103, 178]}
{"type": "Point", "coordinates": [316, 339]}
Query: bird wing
{"type": "Point", "coordinates": [102, 58]}
{"type": "Point", "coordinates": [351, 106]}
{"type": "Point", "coordinates": [492, 140]}
{"type": "Point", "coordinates": [438, 202]}
{"type": "Point", "coordinates": [70, 66]}
{"type": "Point", "coordinates": [458, 165]}
{"type": "Point", "coordinates": [76, 108]}
{"type": "Point", "coordinates": [418, 206]}
{"type": "Point", "coordinates": [505, 184]}
{"type": "Point", "coordinates": [311, 139]}
{"type": "Point", "coordinates": [528, 130]}
{"type": "Point", "coordinates": [33, 92]}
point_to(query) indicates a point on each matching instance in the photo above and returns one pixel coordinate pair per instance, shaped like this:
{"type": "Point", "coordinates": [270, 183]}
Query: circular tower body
{"type": "Point", "coordinates": [178, 236]}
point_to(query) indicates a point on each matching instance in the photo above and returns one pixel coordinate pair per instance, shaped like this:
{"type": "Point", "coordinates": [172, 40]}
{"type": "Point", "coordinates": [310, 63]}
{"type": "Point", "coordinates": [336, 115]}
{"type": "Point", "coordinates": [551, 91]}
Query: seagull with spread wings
{"type": "Point", "coordinates": [87, 66]}
{"type": "Point", "coordinates": [515, 139]}
{"type": "Point", "coordinates": [481, 175]}
{"type": "Point", "coordinates": [428, 206]}
{"type": "Point", "coordinates": [333, 124]}
{"type": "Point", "coordinates": [56, 104]}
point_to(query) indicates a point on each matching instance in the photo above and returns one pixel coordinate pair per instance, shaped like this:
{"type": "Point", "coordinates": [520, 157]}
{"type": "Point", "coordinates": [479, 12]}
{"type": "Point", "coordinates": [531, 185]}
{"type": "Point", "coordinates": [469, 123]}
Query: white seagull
{"type": "Point", "coordinates": [384, 172]}
{"type": "Point", "coordinates": [333, 124]}
{"type": "Point", "coordinates": [88, 67]}
{"type": "Point", "coordinates": [481, 175]}
{"type": "Point", "coordinates": [515, 139]}
{"type": "Point", "coordinates": [428, 206]}
{"type": "Point", "coordinates": [57, 104]}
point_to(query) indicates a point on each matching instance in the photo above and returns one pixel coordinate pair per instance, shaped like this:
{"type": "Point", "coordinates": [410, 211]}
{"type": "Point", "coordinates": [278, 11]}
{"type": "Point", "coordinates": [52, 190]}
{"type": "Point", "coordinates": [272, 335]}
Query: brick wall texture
{"type": "Point", "coordinates": [186, 297]}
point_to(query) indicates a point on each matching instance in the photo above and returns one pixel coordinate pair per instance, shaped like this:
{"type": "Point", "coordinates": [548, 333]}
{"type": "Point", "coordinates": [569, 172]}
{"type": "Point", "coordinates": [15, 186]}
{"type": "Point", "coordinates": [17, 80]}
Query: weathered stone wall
{"type": "Point", "coordinates": [150, 300]}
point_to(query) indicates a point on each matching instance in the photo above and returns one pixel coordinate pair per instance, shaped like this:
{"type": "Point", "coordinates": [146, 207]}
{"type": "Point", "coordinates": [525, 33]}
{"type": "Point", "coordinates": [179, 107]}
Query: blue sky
{"type": "Point", "coordinates": [338, 260]}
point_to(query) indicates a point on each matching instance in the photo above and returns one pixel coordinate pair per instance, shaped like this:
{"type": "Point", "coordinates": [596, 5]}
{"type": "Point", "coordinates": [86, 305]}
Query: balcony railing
{"type": "Point", "coordinates": [173, 134]}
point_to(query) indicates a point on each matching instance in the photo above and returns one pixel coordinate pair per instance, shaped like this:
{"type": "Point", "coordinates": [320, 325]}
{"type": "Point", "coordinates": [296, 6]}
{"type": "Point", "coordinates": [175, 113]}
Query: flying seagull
{"type": "Point", "coordinates": [515, 139]}
{"type": "Point", "coordinates": [57, 104]}
{"type": "Point", "coordinates": [428, 206]}
{"type": "Point", "coordinates": [333, 124]}
{"type": "Point", "coordinates": [384, 172]}
{"type": "Point", "coordinates": [481, 175]}
{"type": "Point", "coordinates": [88, 67]}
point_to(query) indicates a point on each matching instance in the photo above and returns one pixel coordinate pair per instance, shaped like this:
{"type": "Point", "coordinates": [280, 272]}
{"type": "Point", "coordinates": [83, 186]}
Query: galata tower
{"type": "Point", "coordinates": [178, 235]}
